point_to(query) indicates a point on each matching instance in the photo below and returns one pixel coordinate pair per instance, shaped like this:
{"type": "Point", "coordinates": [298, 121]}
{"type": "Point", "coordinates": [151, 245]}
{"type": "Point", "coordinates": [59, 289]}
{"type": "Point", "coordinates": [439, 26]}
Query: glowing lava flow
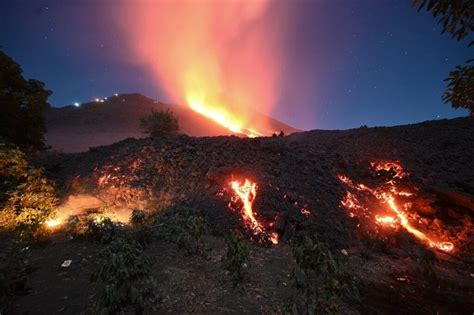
{"type": "Point", "coordinates": [222, 118]}
{"type": "Point", "coordinates": [387, 193]}
{"type": "Point", "coordinates": [247, 193]}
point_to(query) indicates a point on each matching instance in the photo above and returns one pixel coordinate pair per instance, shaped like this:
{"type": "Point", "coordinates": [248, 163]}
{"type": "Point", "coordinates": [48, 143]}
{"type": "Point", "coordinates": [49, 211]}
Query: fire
{"type": "Point", "coordinates": [386, 194]}
{"type": "Point", "coordinates": [246, 193]}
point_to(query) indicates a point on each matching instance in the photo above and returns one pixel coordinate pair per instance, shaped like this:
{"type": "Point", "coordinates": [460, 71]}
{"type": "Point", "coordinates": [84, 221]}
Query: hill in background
{"type": "Point", "coordinates": [75, 129]}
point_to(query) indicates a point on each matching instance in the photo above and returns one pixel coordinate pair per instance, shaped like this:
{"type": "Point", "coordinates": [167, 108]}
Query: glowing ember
{"type": "Point", "coordinates": [52, 223]}
{"type": "Point", "coordinates": [247, 193]}
{"type": "Point", "coordinates": [305, 212]}
{"type": "Point", "coordinates": [386, 195]}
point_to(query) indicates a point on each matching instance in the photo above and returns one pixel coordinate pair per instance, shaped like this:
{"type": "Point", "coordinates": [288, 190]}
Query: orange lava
{"type": "Point", "coordinates": [246, 193]}
{"type": "Point", "coordinates": [387, 194]}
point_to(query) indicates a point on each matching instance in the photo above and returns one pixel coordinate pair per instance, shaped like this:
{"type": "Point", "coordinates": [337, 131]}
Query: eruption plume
{"type": "Point", "coordinates": [220, 58]}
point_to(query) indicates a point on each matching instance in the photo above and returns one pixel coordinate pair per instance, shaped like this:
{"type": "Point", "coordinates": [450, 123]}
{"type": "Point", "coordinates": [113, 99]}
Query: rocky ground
{"type": "Point", "coordinates": [297, 190]}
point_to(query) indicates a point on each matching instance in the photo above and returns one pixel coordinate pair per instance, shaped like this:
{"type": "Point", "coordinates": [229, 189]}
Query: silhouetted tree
{"type": "Point", "coordinates": [159, 123]}
{"type": "Point", "coordinates": [22, 106]}
{"type": "Point", "coordinates": [457, 18]}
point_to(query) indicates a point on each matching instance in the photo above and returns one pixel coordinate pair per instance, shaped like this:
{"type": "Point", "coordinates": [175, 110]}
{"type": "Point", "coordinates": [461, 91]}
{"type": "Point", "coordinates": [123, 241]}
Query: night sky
{"type": "Point", "coordinates": [349, 63]}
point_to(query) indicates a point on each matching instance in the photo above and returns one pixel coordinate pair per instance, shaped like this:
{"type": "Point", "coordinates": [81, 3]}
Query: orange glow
{"type": "Point", "coordinates": [386, 195]}
{"type": "Point", "coordinates": [53, 223]}
{"type": "Point", "coordinates": [246, 193]}
{"type": "Point", "coordinates": [221, 58]}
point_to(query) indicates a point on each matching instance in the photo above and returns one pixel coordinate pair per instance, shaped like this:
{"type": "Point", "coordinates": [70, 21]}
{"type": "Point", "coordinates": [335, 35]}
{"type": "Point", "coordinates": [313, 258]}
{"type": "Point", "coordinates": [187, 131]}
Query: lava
{"type": "Point", "coordinates": [222, 117]}
{"type": "Point", "coordinates": [387, 194]}
{"type": "Point", "coordinates": [246, 193]}
{"type": "Point", "coordinates": [222, 59]}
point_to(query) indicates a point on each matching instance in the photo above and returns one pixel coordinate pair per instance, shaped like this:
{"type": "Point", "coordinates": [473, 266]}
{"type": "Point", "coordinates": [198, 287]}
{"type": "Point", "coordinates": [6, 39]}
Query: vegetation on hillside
{"type": "Point", "coordinates": [159, 123]}
{"type": "Point", "coordinates": [27, 198]}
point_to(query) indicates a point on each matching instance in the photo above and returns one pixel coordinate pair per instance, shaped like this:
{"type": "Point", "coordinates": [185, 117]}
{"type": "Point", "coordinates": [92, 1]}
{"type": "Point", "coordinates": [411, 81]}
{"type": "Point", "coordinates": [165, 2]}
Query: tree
{"type": "Point", "coordinates": [22, 106]}
{"type": "Point", "coordinates": [159, 123]}
{"type": "Point", "coordinates": [456, 18]}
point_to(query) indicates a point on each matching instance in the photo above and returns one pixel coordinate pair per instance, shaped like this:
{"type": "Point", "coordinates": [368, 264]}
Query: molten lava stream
{"type": "Point", "coordinates": [386, 194]}
{"type": "Point", "coordinates": [247, 193]}
{"type": "Point", "coordinates": [222, 118]}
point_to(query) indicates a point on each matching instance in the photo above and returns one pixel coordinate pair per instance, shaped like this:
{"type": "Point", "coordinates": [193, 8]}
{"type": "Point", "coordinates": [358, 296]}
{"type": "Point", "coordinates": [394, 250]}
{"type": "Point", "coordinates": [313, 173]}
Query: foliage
{"type": "Point", "coordinates": [101, 229]}
{"type": "Point", "coordinates": [460, 90]}
{"type": "Point", "coordinates": [28, 198]}
{"type": "Point", "coordinates": [186, 230]}
{"type": "Point", "coordinates": [141, 227]}
{"type": "Point", "coordinates": [318, 277]}
{"type": "Point", "coordinates": [23, 104]}
{"type": "Point", "coordinates": [457, 18]}
{"type": "Point", "coordinates": [236, 256]}
{"type": "Point", "coordinates": [13, 170]}
{"type": "Point", "coordinates": [159, 123]}
{"type": "Point", "coordinates": [125, 273]}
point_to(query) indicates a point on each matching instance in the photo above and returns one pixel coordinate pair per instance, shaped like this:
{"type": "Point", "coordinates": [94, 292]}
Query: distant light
{"type": "Point", "coordinates": [101, 101]}
{"type": "Point", "coordinates": [97, 100]}
{"type": "Point", "coordinates": [105, 98]}
{"type": "Point", "coordinates": [116, 94]}
{"type": "Point", "coordinates": [77, 104]}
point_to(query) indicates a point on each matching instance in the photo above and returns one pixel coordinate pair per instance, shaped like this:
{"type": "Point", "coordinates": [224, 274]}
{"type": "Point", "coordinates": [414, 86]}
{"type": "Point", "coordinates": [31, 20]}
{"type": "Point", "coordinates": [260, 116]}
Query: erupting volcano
{"type": "Point", "coordinates": [393, 210]}
{"type": "Point", "coordinates": [222, 59]}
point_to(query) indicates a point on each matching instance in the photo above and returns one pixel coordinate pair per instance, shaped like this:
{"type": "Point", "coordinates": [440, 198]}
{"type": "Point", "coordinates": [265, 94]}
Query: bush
{"type": "Point", "coordinates": [159, 123]}
{"type": "Point", "coordinates": [236, 256]}
{"type": "Point", "coordinates": [318, 277]}
{"type": "Point", "coordinates": [183, 229]}
{"type": "Point", "coordinates": [28, 199]}
{"type": "Point", "coordinates": [125, 273]}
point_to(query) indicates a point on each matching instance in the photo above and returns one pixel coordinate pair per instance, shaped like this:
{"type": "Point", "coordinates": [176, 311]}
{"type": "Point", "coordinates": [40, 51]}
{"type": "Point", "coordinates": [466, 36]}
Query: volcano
{"type": "Point", "coordinates": [393, 206]}
{"type": "Point", "coordinates": [115, 118]}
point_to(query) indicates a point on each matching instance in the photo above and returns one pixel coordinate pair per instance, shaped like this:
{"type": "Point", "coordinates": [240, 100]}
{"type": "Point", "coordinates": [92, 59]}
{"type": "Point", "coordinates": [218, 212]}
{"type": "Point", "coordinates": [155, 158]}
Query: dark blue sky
{"type": "Point", "coordinates": [349, 63]}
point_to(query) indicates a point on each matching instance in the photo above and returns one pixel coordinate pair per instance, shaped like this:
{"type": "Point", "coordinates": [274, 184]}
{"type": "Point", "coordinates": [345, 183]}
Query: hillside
{"type": "Point", "coordinates": [75, 129]}
{"type": "Point", "coordinates": [394, 206]}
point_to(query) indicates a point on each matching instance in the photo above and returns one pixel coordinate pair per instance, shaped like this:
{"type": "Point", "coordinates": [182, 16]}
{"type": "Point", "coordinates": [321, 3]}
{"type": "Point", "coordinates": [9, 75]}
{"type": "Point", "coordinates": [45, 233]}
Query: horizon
{"type": "Point", "coordinates": [383, 65]}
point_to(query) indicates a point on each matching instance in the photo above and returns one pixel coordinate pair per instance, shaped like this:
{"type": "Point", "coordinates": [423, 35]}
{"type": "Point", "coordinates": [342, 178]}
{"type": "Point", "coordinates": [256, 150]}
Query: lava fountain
{"type": "Point", "coordinates": [399, 212]}
{"type": "Point", "coordinates": [220, 58]}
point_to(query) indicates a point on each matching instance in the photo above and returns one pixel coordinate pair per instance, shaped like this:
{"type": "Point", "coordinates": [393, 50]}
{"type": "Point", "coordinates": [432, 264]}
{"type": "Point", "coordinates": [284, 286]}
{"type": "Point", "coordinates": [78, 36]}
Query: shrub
{"type": "Point", "coordinates": [29, 198]}
{"type": "Point", "coordinates": [159, 123]}
{"type": "Point", "coordinates": [125, 273]}
{"type": "Point", "coordinates": [318, 277]}
{"type": "Point", "coordinates": [183, 229]}
{"type": "Point", "coordinates": [101, 229]}
{"type": "Point", "coordinates": [236, 256]}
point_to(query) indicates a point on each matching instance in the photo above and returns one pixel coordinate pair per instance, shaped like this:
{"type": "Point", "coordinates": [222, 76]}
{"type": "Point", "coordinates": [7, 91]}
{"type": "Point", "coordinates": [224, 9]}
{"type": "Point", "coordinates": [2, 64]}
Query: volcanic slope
{"type": "Point", "coordinates": [299, 189]}
{"type": "Point", "coordinates": [75, 129]}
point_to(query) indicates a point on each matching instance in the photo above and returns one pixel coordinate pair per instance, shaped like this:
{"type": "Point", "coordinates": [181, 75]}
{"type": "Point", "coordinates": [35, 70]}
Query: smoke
{"type": "Point", "coordinates": [221, 58]}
